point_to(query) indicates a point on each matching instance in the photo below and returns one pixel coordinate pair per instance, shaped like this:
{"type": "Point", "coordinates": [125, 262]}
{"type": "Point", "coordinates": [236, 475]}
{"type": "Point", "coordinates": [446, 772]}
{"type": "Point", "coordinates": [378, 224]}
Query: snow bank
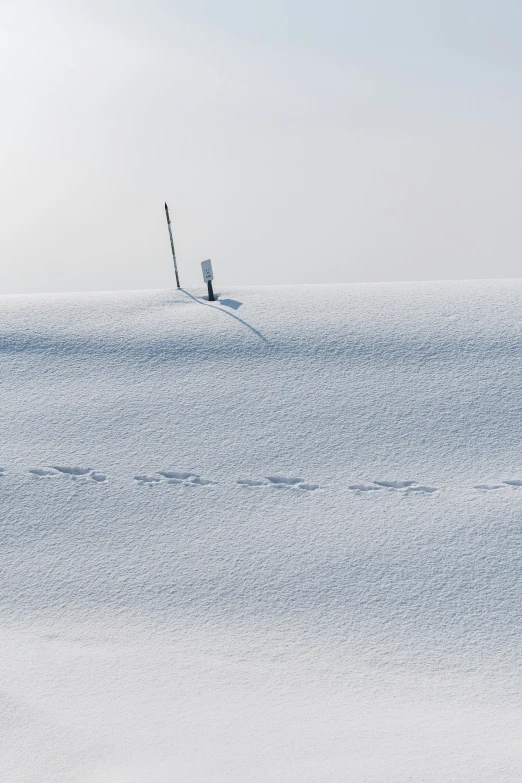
{"type": "Point", "coordinates": [271, 538]}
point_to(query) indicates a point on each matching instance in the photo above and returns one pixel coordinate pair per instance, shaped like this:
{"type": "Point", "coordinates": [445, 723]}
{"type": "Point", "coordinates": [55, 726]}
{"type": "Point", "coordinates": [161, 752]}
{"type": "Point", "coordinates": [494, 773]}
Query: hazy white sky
{"type": "Point", "coordinates": [294, 141]}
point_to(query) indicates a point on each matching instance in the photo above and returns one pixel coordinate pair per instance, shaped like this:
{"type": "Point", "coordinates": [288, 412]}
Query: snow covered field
{"type": "Point", "coordinates": [273, 538]}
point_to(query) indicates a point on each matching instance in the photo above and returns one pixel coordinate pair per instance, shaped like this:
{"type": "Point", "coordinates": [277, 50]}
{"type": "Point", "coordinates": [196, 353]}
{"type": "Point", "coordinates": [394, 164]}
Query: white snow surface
{"type": "Point", "coordinates": [272, 538]}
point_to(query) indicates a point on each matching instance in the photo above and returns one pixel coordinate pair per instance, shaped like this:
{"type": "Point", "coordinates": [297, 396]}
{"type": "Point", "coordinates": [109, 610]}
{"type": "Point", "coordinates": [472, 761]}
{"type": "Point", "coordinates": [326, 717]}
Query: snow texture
{"type": "Point", "coordinates": [270, 538]}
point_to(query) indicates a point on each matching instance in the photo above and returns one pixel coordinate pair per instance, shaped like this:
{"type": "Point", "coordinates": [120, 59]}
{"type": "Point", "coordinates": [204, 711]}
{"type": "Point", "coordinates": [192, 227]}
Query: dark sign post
{"type": "Point", "coordinates": [208, 276]}
{"type": "Point", "coordinates": [172, 245]}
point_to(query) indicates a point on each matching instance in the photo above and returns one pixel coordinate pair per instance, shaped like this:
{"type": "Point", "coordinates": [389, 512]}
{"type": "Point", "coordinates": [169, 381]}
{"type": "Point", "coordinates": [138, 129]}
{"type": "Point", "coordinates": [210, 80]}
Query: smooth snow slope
{"type": "Point", "coordinates": [274, 538]}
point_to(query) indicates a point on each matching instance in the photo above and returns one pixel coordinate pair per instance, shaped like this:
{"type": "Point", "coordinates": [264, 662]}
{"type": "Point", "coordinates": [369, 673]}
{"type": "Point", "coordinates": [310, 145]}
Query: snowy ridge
{"type": "Point", "coordinates": [275, 537]}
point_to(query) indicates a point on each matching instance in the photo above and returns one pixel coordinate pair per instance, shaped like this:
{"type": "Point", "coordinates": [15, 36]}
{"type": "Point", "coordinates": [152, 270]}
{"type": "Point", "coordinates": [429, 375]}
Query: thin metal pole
{"type": "Point", "coordinates": [172, 245]}
{"type": "Point", "coordinates": [211, 297]}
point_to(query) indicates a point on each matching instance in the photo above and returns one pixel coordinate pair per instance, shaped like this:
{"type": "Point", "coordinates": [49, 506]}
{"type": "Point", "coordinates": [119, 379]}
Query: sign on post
{"type": "Point", "coordinates": [206, 267]}
{"type": "Point", "coordinates": [208, 276]}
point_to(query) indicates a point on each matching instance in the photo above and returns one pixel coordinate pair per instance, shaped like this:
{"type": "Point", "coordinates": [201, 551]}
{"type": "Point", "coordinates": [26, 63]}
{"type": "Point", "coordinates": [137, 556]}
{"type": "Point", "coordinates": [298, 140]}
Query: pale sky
{"type": "Point", "coordinates": [294, 141]}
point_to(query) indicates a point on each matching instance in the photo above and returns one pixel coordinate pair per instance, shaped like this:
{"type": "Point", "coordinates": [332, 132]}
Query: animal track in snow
{"type": "Point", "coordinates": [514, 483]}
{"type": "Point", "coordinates": [42, 472]}
{"type": "Point", "coordinates": [419, 488]}
{"type": "Point", "coordinates": [395, 484]}
{"type": "Point", "coordinates": [179, 478]}
{"type": "Point", "coordinates": [279, 482]}
{"type": "Point", "coordinates": [402, 486]}
{"type": "Point", "coordinates": [74, 473]}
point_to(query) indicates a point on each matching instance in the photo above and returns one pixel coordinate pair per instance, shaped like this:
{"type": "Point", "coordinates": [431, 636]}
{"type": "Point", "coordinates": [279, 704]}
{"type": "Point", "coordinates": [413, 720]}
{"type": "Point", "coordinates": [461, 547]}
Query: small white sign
{"type": "Point", "coordinates": [206, 268]}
